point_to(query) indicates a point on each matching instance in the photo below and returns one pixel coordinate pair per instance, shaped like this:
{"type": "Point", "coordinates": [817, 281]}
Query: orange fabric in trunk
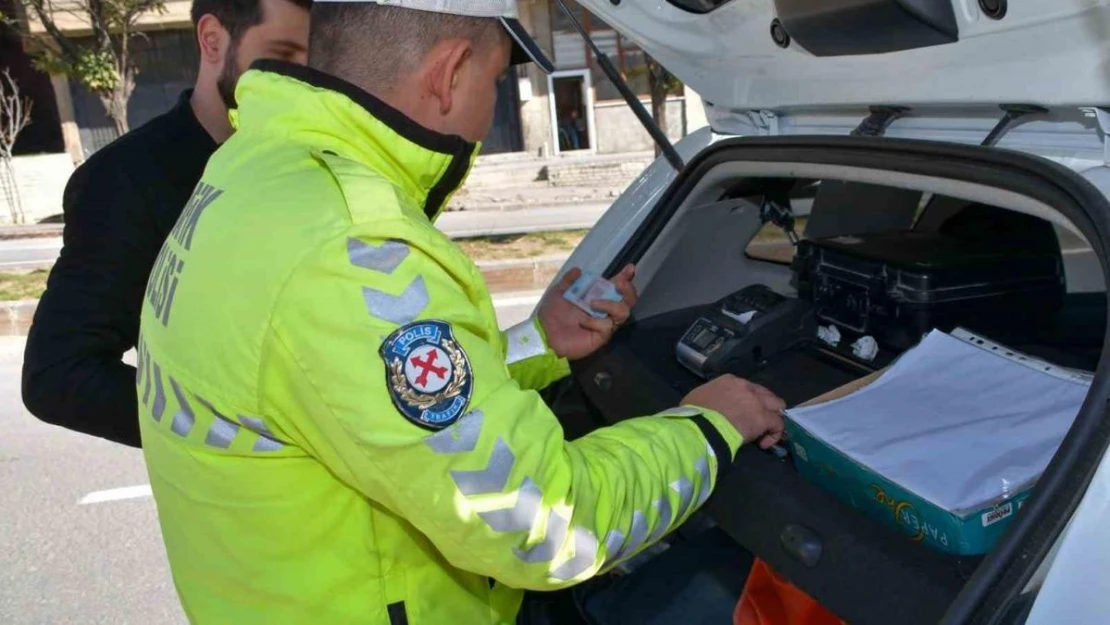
{"type": "Point", "coordinates": [769, 599]}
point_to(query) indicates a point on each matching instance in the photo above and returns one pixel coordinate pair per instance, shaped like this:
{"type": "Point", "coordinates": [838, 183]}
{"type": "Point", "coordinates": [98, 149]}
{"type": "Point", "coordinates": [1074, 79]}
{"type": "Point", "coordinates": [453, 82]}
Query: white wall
{"type": "Point", "coordinates": [41, 179]}
{"type": "Point", "coordinates": [695, 111]}
{"type": "Point", "coordinates": [619, 130]}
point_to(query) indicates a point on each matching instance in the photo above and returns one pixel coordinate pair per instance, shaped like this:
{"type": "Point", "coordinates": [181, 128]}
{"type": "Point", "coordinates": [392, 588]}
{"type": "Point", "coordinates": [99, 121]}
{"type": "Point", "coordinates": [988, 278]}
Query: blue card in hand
{"type": "Point", "coordinates": [590, 287]}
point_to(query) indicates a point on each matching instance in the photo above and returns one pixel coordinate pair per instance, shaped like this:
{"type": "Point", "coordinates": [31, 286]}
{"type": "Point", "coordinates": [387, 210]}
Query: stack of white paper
{"type": "Point", "coordinates": [958, 421]}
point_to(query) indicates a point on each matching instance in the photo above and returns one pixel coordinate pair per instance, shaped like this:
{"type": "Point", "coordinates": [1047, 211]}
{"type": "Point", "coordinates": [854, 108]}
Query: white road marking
{"type": "Point", "coordinates": [116, 494]}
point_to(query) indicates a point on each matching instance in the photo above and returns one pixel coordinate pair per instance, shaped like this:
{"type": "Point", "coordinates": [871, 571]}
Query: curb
{"type": "Point", "coordinates": [504, 200]}
{"type": "Point", "coordinates": [520, 274]}
{"type": "Point", "coordinates": [515, 206]}
{"type": "Point", "coordinates": [513, 277]}
{"type": "Point", "coordinates": [537, 262]}
{"type": "Point", "coordinates": [13, 233]}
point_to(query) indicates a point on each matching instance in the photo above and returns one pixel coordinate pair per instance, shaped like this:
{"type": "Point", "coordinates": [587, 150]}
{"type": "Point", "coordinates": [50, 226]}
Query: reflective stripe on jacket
{"type": "Point", "coordinates": [336, 431]}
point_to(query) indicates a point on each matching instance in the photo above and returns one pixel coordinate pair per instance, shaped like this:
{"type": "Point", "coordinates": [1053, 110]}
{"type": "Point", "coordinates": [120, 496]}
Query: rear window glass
{"type": "Point", "coordinates": [772, 245]}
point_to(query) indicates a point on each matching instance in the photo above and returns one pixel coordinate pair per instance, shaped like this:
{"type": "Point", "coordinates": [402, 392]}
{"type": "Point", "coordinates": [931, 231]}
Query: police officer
{"type": "Point", "coordinates": [335, 429]}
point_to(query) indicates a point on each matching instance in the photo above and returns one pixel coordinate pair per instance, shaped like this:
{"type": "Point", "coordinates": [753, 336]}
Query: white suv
{"type": "Point", "coordinates": [875, 116]}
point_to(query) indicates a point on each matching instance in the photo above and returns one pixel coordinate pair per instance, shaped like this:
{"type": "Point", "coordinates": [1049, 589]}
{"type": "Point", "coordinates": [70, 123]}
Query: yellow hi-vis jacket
{"type": "Point", "coordinates": [336, 431]}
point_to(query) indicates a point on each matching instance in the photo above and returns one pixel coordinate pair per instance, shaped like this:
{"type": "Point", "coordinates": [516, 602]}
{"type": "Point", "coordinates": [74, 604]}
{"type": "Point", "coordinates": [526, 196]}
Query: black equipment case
{"type": "Point", "coordinates": [896, 287]}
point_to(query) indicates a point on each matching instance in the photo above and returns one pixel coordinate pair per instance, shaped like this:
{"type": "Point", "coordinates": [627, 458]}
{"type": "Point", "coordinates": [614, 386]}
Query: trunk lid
{"type": "Point", "coordinates": [948, 61]}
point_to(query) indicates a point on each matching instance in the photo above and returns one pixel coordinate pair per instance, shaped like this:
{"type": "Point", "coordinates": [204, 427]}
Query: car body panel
{"type": "Point", "coordinates": [1050, 52]}
{"type": "Point", "coordinates": [1076, 587]}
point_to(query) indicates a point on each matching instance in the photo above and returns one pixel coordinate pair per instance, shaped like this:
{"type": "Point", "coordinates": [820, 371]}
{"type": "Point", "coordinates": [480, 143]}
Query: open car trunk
{"type": "Point", "coordinates": [705, 239]}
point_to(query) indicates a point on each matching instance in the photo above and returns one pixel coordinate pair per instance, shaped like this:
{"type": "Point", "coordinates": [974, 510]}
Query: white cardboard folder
{"type": "Point", "coordinates": [958, 420]}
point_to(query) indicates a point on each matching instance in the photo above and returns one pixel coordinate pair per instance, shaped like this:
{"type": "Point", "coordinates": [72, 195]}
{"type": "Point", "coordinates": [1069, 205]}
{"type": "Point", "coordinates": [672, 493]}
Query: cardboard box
{"type": "Point", "coordinates": [973, 533]}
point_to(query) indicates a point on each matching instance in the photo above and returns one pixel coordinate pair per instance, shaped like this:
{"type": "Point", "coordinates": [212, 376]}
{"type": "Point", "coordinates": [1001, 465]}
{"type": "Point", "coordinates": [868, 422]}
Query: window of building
{"type": "Point", "coordinates": [572, 52]}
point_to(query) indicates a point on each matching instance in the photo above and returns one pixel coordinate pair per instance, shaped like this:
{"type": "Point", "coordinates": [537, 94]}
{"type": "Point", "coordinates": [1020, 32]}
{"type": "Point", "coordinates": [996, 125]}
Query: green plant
{"type": "Point", "coordinates": [101, 63]}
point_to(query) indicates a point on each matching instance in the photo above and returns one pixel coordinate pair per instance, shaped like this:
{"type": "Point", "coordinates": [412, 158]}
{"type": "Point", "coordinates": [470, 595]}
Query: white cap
{"type": "Point", "coordinates": [525, 49]}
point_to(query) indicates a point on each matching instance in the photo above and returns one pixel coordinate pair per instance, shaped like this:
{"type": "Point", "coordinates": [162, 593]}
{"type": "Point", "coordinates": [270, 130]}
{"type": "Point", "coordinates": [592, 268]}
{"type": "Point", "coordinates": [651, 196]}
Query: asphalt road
{"type": "Point", "coordinates": [67, 562]}
{"type": "Point", "coordinates": [21, 254]}
{"type": "Point", "coordinates": [79, 537]}
{"type": "Point", "coordinates": [28, 253]}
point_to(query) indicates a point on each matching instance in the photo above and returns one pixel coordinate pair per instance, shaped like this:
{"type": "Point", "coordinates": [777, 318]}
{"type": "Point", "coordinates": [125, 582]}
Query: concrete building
{"type": "Point", "coordinates": [573, 112]}
{"type": "Point", "coordinates": [578, 109]}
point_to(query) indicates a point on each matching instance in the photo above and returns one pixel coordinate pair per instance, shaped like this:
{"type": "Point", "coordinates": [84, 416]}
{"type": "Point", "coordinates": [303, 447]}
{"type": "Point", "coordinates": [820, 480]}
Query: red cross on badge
{"type": "Point", "coordinates": [428, 369]}
{"type": "Point", "coordinates": [428, 366]}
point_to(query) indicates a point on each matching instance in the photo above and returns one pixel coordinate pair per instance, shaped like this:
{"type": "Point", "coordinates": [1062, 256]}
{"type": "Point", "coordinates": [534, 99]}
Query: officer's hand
{"type": "Point", "coordinates": [752, 409]}
{"type": "Point", "coordinates": [573, 334]}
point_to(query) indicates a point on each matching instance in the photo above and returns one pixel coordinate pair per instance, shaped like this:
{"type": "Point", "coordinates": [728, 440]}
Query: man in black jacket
{"type": "Point", "coordinates": [119, 207]}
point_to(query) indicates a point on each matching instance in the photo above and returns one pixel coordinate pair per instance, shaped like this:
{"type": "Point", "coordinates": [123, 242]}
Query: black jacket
{"type": "Point", "coordinates": [120, 205]}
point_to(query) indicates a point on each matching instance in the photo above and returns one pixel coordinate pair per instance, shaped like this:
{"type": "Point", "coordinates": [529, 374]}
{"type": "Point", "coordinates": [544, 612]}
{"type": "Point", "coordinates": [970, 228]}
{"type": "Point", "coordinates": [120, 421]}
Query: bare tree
{"type": "Point", "coordinates": [15, 115]}
{"type": "Point", "coordinates": [661, 84]}
{"type": "Point", "coordinates": [101, 63]}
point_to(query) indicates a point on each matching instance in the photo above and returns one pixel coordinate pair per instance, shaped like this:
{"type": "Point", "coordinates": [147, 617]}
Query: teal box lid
{"type": "Point", "coordinates": [946, 443]}
{"type": "Point", "coordinates": [970, 533]}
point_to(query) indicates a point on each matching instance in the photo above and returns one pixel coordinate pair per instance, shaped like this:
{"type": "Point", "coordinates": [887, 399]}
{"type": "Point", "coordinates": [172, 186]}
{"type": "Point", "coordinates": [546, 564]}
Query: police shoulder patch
{"type": "Point", "coordinates": [427, 373]}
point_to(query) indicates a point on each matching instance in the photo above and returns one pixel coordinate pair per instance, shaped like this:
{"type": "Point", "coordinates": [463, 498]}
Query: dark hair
{"type": "Point", "coordinates": [236, 16]}
{"type": "Point", "coordinates": [344, 34]}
